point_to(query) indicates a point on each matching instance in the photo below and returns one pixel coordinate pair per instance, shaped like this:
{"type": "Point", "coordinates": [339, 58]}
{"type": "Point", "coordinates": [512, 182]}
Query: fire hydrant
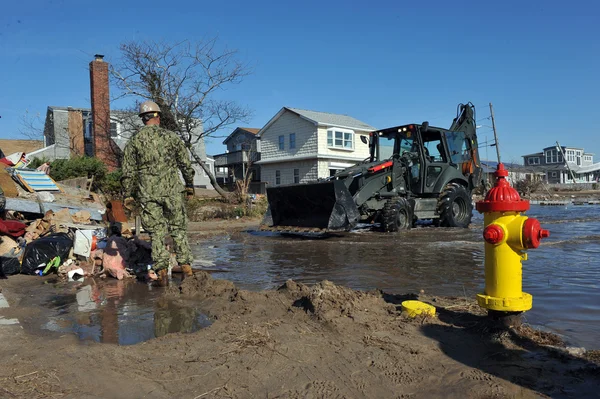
{"type": "Point", "coordinates": [507, 235]}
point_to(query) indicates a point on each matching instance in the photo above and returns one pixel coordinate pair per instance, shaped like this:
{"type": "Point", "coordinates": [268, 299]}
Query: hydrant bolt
{"type": "Point", "coordinates": [493, 234]}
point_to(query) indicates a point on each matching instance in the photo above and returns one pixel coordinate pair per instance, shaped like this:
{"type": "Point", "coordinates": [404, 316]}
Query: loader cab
{"type": "Point", "coordinates": [426, 155]}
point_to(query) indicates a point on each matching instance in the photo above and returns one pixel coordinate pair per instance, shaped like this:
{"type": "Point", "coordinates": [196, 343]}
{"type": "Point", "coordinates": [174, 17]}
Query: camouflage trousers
{"type": "Point", "coordinates": [162, 217]}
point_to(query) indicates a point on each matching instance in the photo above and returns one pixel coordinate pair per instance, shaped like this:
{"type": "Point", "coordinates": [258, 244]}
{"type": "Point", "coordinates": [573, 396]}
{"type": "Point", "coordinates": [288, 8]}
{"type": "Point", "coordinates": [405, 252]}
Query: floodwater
{"type": "Point", "coordinates": [562, 274]}
{"type": "Point", "coordinates": [122, 312]}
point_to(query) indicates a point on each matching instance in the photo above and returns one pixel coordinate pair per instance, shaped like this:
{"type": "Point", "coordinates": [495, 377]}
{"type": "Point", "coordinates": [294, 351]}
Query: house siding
{"type": "Point", "coordinates": [288, 122]}
{"type": "Point", "coordinates": [360, 151]}
{"type": "Point", "coordinates": [308, 172]}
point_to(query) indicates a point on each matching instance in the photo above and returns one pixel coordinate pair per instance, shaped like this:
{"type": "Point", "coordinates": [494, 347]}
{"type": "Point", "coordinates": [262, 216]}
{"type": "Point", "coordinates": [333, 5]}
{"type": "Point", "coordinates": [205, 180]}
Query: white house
{"type": "Point", "coordinates": [298, 146]}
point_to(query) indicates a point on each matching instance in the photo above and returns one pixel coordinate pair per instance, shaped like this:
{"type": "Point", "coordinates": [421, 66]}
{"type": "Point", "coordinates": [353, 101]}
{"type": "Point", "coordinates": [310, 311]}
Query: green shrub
{"type": "Point", "coordinates": [36, 162]}
{"type": "Point", "coordinates": [63, 169]}
{"type": "Point", "coordinates": [110, 184]}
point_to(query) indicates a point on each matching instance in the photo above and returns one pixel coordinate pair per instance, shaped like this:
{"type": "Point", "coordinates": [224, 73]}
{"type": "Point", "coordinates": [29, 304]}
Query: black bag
{"type": "Point", "coordinates": [9, 263]}
{"type": "Point", "coordinates": [43, 250]}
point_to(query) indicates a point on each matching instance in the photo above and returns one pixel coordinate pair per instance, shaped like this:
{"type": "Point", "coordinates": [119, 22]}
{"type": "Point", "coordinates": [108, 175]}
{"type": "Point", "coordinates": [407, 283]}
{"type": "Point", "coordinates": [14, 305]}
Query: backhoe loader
{"type": "Point", "coordinates": [414, 172]}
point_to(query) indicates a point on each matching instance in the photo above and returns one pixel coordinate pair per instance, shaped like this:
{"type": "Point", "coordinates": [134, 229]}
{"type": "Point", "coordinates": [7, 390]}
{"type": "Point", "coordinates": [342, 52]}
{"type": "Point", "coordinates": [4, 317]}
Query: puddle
{"type": "Point", "coordinates": [115, 312]}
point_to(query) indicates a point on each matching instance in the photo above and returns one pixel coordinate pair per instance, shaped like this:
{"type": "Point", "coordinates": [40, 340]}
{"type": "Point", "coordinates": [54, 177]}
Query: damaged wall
{"type": "Point", "coordinates": [75, 128]}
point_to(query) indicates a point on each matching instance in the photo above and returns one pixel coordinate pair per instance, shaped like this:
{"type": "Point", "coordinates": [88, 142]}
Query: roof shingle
{"type": "Point", "coordinates": [325, 118]}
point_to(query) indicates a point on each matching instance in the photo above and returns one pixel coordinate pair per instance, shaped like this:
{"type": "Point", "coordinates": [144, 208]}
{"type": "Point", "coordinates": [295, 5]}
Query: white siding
{"type": "Point", "coordinates": [360, 151]}
{"type": "Point", "coordinates": [288, 122]}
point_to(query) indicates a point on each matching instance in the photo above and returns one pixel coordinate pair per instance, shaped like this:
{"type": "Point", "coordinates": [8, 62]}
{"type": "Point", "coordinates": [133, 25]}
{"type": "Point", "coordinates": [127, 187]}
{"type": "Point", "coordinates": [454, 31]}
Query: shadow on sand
{"type": "Point", "coordinates": [519, 355]}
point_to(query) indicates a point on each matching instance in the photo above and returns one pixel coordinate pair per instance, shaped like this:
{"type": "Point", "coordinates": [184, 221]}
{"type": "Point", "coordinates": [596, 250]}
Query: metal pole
{"type": "Point", "coordinates": [495, 135]}
{"type": "Point", "coordinates": [558, 147]}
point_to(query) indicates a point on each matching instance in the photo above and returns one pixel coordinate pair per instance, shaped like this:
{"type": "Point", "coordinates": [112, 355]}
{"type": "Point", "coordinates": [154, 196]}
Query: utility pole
{"type": "Point", "coordinates": [559, 148]}
{"type": "Point", "coordinates": [495, 135]}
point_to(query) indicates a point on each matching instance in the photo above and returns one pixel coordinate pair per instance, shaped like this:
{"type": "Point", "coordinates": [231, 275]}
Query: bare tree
{"type": "Point", "coordinates": [184, 80]}
{"type": "Point", "coordinates": [32, 126]}
{"type": "Point", "coordinates": [242, 185]}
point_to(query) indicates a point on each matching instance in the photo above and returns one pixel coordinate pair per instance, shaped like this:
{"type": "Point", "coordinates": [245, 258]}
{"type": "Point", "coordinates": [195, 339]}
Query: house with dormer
{"type": "Point", "coordinates": [563, 164]}
{"type": "Point", "coordinates": [299, 146]}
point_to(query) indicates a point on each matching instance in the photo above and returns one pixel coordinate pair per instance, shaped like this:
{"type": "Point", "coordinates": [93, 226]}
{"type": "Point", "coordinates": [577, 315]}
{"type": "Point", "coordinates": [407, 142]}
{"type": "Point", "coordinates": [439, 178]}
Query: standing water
{"type": "Point", "coordinates": [562, 274]}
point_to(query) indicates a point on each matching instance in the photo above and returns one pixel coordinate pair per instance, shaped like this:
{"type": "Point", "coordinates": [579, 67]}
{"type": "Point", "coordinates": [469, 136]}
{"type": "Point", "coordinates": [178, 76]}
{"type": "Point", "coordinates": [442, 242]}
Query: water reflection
{"type": "Point", "coordinates": [117, 312]}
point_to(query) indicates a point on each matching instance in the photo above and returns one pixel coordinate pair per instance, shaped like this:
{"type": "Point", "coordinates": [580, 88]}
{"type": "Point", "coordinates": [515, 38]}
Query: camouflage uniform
{"type": "Point", "coordinates": [151, 165]}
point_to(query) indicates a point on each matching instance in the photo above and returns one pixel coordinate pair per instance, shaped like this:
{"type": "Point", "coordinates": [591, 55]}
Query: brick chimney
{"type": "Point", "coordinates": [104, 147]}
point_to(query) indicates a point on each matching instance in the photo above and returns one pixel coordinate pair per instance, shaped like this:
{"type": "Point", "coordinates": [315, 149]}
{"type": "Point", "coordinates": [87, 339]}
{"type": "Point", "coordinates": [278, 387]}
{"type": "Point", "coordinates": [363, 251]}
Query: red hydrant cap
{"type": "Point", "coordinates": [502, 197]}
{"type": "Point", "coordinates": [533, 233]}
{"type": "Point", "coordinates": [493, 234]}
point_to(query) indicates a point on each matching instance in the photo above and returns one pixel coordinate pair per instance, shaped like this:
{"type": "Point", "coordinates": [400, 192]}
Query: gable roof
{"type": "Point", "coordinates": [323, 119]}
{"type": "Point", "coordinates": [249, 130]}
{"type": "Point", "coordinates": [328, 119]}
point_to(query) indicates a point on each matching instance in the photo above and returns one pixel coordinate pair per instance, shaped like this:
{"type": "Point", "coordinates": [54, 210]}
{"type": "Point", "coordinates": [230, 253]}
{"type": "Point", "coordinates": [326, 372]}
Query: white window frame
{"type": "Point", "coordinates": [281, 145]}
{"type": "Point", "coordinates": [117, 129]}
{"type": "Point", "coordinates": [292, 142]}
{"type": "Point", "coordinates": [277, 177]}
{"type": "Point", "coordinates": [296, 176]}
{"type": "Point", "coordinates": [533, 161]}
{"type": "Point", "coordinates": [337, 138]}
{"type": "Point", "coordinates": [570, 156]}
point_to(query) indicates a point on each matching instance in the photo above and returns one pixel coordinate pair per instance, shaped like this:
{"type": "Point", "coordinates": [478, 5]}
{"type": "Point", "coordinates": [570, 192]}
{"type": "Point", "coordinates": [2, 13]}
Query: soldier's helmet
{"type": "Point", "coordinates": [147, 107]}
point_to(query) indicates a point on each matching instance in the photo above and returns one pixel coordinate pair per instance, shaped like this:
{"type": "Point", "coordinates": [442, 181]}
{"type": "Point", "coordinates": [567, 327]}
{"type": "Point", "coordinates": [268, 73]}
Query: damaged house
{"type": "Point", "coordinates": [99, 131]}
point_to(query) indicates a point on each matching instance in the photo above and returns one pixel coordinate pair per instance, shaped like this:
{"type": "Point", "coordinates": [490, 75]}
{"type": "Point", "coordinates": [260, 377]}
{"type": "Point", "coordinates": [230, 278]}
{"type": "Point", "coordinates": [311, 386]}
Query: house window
{"type": "Point", "coordinates": [281, 142]}
{"type": "Point", "coordinates": [278, 176]}
{"type": "Point", "coordinates": [553, 174]}
{"type": "Point", "coordinates": [296, 175]}
{"type": "Point", "coordinates": [340, 138]}
{"type": "Point", "coordinates": [292, 140]}
{"type": "Point", "coordinates": [534, 161]}
{"type": "Point", "coordinates": [553, 156]}
{"type": "Point", "coordinates": [114, 132]}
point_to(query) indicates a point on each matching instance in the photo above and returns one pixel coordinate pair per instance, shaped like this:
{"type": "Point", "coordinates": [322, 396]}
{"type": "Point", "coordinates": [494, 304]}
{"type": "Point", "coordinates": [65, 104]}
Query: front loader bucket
{"type": "Point", "coordinates": [326, 206]}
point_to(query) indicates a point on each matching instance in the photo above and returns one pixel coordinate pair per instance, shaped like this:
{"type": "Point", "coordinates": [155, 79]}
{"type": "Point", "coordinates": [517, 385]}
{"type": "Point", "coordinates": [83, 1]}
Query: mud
{"type": "Point", "coordinates": [300, 342]}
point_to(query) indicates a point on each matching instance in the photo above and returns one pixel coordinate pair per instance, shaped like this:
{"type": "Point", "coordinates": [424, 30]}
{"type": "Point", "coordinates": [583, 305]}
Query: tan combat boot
{"type": "Point", "coordinates": [163, 277]}
{"type": "Point", "coordinates": [187, 271]}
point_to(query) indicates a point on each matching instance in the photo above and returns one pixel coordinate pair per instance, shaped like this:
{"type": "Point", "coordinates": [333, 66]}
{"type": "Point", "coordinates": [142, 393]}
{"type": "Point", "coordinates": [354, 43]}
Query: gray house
{"type": "Point", "coordinates": [552, 164]}
{"type": "Point", "coordinates": [243, 151]}
{"type": "Point", "coordinates": [68, 132]}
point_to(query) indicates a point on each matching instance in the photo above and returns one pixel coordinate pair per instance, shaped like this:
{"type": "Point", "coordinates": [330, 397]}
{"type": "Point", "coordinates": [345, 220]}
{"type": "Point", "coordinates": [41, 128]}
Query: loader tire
{"type": "Point", "coordinates": [455, 206]}
{"type": "Point", "coordinates": [396, 215]}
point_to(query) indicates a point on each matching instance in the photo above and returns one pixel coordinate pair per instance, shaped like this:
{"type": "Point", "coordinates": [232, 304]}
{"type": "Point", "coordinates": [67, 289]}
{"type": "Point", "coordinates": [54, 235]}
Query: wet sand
{"type": "Point", "coordinates": [299, 342]}
{"type": "Point", "coordinates": [322, 341]}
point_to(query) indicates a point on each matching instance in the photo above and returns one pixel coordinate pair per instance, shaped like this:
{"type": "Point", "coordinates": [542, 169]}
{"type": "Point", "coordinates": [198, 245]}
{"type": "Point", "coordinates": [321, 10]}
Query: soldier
{"type": "Point", "coordinates": [151, 165]}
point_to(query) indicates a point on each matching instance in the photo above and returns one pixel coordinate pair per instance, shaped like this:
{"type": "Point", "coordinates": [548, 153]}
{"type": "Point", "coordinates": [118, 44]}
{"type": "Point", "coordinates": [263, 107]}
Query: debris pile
{"type": "Point", "coordinates": [48, 227]}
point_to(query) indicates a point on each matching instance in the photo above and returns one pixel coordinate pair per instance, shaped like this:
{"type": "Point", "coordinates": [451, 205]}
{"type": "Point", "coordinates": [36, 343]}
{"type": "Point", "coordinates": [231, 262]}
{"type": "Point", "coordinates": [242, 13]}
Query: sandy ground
{"type": "Point", "coordinates": [323, 341]}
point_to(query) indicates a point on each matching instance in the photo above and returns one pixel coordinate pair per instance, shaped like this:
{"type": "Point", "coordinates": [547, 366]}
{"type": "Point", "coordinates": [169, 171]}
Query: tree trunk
{"type": "Point", "coordinates": [211, 177]}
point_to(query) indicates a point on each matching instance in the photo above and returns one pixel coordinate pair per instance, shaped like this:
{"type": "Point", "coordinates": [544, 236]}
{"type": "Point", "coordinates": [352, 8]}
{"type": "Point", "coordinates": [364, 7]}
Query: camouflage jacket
{"type": "Point", "coordinates": [151, 164]}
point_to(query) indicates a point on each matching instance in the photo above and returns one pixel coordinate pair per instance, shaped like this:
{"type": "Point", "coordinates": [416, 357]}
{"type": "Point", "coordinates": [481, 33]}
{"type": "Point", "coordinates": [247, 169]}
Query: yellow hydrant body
{"type": "Point", "coordinates": [507, 235]}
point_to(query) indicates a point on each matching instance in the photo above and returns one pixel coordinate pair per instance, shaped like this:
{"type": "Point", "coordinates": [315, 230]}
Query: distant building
{"type": "Point", "coordinates": [551, 164]}
{"type": "Point", "coordinates": [516, 172]}
{"type": "Point", "coordinates": [243, 151]}
{"type": "Point", "coordinates": [299, 146]}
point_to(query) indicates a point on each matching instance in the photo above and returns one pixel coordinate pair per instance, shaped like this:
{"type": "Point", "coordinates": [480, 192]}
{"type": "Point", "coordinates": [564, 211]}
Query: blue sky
{"type": "Point", "coordinates": [386, 63]}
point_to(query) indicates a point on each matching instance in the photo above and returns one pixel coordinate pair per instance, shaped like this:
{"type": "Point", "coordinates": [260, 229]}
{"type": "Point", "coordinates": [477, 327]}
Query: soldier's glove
{"type": "Point", "coordinates": [189, 192]}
